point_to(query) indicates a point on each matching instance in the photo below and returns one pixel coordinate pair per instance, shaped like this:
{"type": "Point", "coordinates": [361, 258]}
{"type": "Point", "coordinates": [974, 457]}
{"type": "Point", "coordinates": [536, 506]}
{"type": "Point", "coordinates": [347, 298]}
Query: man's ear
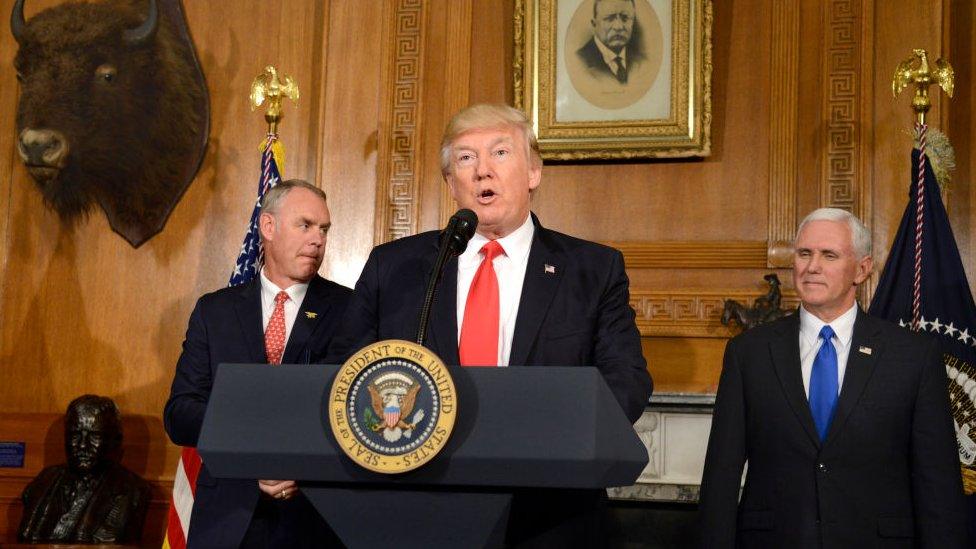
{"type": "Point", "coordinates": [266, 224]}
{"type": "Point", "coordinates": [864, 267]}
{"type": "Point", "coordinates": [449, 179]}
{"type": "Point", "coordinates": [535, 176]}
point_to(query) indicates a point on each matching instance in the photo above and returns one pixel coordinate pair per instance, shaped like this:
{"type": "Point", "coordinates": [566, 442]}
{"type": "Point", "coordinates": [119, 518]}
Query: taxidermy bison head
{"type": "Point", "coordinates": [113, 109]}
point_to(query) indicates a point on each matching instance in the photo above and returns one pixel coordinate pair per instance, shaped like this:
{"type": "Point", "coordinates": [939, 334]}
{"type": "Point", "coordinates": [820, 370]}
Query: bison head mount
{"type": "Point", "coordinates": [113, 110]}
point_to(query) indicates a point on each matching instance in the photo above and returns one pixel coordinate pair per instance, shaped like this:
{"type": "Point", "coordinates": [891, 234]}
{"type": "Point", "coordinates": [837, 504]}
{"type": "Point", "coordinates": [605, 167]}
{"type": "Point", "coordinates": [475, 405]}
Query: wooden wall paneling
{"type": "Point", "coordinates": [899, 26]}
{"type": "Point", "coordinates": [397, 188]}
{"type": "Point", "coordinates": [691, 313]}
{"type": "Point", "coordinates": [9, 91]}
{"type": "Point", "coordinates": [784, 75]}
{"type": "Point", "coordinates": [449, 78]}
{"type": "Point", "coordinates": [720, 198]}
{"type": "Point", "coordinates": [352, 90]}
{"type": "Point", "coordinates": [729, 254]}
{"type": "Point", "coordinates": [957, 121]}
{"type": "Point", "coordinates": [842, 81]}
{"type": "Point", "coordinates": [83, 311]}
{"type": "Point", "coordinates": [299, 49]}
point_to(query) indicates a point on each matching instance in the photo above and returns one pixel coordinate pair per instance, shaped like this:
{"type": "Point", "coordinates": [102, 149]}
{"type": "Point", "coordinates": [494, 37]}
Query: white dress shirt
{"type": "Point", "coordinates": [610, 57]}
{"type": "Point", "coordinates": [810, 342]}
{"type": "Point", "coordinates": [510, 270]}
{"type": "Point", "coordinates": [296, 294]}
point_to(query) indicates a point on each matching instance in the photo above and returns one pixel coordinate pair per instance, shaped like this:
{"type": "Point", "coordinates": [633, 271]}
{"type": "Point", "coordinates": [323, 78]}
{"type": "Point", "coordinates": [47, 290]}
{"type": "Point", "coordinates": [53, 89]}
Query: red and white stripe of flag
{"type": "Point", "coordinates": [181, 503]}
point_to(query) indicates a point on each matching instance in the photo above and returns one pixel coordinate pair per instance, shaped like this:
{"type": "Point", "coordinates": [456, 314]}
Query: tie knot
{"type": "Point", "coordinates": [827, 333]}
{"type": "Point", "coordinates": [281, 298]}
{"type": "Point", "coordinates": [492, 249]}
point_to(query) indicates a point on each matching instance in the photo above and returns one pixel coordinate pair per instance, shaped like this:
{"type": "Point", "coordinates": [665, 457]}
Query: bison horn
{"type": "Point", "coordinates": [145, 31]}
{"type": "Point", "coordinates": [17, 20]}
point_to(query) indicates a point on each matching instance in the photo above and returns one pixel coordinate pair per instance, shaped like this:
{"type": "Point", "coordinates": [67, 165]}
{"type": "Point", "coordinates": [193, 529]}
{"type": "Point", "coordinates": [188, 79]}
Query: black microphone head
{"type": "Point", "coordinates": [467, 222]}
{"type": "Point", "coordinates": [460, 230]}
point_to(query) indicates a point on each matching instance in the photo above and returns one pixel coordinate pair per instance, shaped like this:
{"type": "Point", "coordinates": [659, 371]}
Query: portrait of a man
{"type": "Point", "coordinates": [611, 52]}
{"type": "Point", "coordinates": [613, 55]}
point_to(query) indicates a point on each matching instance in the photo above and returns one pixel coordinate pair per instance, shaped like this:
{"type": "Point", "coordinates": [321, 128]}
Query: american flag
{"type": "Point", "coordinates": [924, 287]}
{"type": "Point", "coordinates": [249, 262]}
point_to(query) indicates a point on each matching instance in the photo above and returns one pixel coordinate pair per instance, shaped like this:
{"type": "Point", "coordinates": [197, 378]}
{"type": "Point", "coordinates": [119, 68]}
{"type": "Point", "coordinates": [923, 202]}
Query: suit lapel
{"type": "Point", "coordinates": [442, 328]}
{"type": "Point", "coordinates": [248, 309]}
{"type": "Point", "coordinates": [858, 371]}
{"type": "Point", "coordinates": [543, 273]}
{"type": "Point", "coordinates": [785, 351]}
{"type": "Point", "coordinates": [314, 308]}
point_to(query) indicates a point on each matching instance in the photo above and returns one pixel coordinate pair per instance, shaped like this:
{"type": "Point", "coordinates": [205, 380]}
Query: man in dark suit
{"type": "Point", "coordinates": [519, 295]}
{"type": "Point", "coordinates": [613, 51]}
{"type": "Point", "coordinates": [843, 419]}
{"type": "Point", "coordinates": [290, 303]}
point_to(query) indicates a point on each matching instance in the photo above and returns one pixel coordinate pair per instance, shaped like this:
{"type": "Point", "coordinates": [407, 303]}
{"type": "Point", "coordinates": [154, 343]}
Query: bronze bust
{"type": "Point", "coordinates": [92, 498]}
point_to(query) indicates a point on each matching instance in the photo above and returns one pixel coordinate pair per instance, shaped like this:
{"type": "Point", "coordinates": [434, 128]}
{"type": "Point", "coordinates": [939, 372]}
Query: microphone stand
{"type": "Point", "coordinates": [453, 242]}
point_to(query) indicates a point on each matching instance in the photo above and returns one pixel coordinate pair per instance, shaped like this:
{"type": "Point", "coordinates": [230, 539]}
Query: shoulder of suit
{"type": "Point", "coordinates": [409, 244]}
{"type": "Point", "coordinates": [576, 246]}
{"type": "Point", "coordinates": [782, 327]}
{"type": "Point", "coordinates": [226, 294]}
{"type": "Point", "coordinates": [328, 286]}
{"type": "Point", "coordinates": [891, 331]}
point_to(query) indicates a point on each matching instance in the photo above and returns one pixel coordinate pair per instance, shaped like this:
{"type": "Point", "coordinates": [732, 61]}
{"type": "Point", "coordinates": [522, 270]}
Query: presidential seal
{"type": "Point", "coordinates": [392, 406]}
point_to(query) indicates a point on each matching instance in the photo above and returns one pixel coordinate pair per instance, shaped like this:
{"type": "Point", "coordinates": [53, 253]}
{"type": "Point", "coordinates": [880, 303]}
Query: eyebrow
{"type": "Point", "coordinates": [492, 144]}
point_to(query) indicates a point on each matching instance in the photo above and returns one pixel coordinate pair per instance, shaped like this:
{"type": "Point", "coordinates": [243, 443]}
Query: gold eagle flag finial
{"type": "Point", "coordinates": [270, 88]}
{"type": "Point", "coordinates": [915, 70]}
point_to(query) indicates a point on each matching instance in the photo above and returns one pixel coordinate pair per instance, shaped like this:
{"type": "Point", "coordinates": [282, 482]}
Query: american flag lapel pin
{"type": "Point", "coordinates": [865, 350]}
{"type": "Point", "coordinates": [550, 269]}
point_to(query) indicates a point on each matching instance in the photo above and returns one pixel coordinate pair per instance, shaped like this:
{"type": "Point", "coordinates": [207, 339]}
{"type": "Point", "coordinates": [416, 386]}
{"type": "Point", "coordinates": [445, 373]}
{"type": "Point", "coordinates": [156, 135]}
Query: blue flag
{"type": "Point", "coordinates": [947, 307]}
{"type": "Point", "coordinates": [251, 258]}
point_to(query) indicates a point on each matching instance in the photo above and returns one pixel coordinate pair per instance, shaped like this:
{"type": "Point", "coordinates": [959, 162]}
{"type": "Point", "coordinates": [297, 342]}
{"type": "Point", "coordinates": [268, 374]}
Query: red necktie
{"type": "Point", "coordinates": [479, 329]}
{"type": "Point", "coordinates": [274, 335]}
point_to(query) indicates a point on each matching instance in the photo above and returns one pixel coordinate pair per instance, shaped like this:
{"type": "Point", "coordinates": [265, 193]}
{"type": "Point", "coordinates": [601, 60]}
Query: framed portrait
{"type": "Point", "coordinates": [615, 79]}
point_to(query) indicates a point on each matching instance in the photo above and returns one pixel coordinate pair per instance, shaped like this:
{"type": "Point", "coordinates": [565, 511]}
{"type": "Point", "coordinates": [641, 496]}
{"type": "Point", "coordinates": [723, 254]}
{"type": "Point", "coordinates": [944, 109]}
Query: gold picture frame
{"type": "Point", "coordinates": [583, 106]}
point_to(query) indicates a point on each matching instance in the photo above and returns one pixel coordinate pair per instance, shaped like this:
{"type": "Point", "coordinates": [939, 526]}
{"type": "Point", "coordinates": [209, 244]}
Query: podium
{"type": "Point", "coordinates": [516, 428]}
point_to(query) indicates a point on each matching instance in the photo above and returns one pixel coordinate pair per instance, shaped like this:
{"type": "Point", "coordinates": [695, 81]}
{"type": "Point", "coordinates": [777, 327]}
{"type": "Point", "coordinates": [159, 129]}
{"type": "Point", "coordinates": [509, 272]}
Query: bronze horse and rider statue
{"type": "Point", "coordinates": [764, 309]}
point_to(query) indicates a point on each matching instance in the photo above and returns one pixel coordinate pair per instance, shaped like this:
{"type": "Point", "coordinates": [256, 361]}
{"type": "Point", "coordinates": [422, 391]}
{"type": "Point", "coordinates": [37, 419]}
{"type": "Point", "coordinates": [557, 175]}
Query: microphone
{"type": "Point", "coordinates": [454, 240]}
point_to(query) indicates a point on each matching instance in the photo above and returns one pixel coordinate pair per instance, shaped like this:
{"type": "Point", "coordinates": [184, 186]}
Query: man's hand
{"type": "Point", "coordinates": [278, 489]}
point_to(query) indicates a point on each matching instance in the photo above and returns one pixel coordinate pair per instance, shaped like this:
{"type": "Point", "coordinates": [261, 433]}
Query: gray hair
{"type": "Point", "coordinates": [860, 235]}
{"type": "Point", "coordinates": [274, 196]}
{"type": "Point", "coordinates": [485, 116]}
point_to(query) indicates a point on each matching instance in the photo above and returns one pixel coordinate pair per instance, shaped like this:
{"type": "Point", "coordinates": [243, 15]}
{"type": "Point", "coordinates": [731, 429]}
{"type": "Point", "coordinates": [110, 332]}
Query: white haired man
{"type": "Point", "coordinates": [520, 295]}
{"type": "Point", "coordinates": [843, 419]}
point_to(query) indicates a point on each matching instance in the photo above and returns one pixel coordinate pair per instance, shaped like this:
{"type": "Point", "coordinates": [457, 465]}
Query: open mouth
{"type": "Point", "coordinates": [486, 196]}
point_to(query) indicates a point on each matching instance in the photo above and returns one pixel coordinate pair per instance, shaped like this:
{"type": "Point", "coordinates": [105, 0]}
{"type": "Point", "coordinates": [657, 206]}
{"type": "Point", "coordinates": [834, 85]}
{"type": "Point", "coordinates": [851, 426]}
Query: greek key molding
{"type": "Point", "coordinates": [841, 85]}
{"type": "Point", "coordinates": [784, 77]}
{"type": "Point", "coordinates": [398, 188]}
{"type": "Point", "coordinates": [691, 313]}
{"type": "Point", "coordinates": [693, 255]}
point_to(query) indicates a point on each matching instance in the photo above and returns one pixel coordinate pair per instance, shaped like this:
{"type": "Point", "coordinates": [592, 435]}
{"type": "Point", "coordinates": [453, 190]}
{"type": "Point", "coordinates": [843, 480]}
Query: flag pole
{"type": "Point", "coordinates": [915, 71]}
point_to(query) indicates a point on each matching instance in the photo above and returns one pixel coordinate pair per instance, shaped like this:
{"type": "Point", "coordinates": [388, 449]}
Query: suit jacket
{"type": "Point", "coordinates": [887, 474]}
{"type": "Point", "coordinates": [226, 327]}
{"type": "Point", "coordinates": [592, 59]}
{"type": "Point", "coordinates": [576, 313]}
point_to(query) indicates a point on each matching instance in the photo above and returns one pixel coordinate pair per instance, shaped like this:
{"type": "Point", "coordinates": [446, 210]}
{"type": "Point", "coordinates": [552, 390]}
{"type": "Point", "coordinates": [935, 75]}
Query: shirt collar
{"type": "Point", "coordinates": [516, 244]}
{"type": "Point", "coordinates": [608, 54]}
{"type": "Point", "coordinates": [843, 326]}
{"type": "Point", "coordinates": [296, 292]}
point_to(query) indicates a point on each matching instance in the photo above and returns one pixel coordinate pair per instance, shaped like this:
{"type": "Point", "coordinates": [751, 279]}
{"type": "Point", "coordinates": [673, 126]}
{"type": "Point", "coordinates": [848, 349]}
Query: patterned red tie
{"type": "Point", "coordinates": [479, 329]}
{"type": "Point", "coordinates": [274, 335]}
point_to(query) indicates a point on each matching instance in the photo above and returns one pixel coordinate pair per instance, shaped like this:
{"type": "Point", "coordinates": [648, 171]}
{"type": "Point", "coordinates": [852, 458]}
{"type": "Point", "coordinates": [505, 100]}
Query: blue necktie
{"type": "Point", "coordinates": [823, 383]}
